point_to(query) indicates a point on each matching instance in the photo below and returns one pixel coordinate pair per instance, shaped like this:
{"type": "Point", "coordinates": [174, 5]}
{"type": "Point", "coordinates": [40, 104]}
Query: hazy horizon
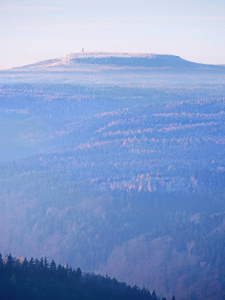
{"type": "Point", "coordinates": [49, 29]}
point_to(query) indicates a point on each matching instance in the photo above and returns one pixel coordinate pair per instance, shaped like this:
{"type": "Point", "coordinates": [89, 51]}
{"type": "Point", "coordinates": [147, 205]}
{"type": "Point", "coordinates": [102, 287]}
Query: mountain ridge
{"type": "Point", "coordinates": [113, 61]}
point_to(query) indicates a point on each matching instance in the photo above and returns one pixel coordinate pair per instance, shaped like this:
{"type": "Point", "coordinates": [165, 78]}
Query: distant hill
{"type": "Point", "coordinates": [114, 61]}
{"type": "Point", "coordinates": [120, 69]}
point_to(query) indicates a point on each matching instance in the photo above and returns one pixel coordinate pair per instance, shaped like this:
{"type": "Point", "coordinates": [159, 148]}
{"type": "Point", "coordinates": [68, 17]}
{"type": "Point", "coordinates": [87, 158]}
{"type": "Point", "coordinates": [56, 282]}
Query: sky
{"type": "Point", "coordinates": [32, 31]}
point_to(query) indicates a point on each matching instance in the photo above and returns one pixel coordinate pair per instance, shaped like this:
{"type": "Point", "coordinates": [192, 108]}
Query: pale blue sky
{"type": "Point", "coordinates": [194, 30]}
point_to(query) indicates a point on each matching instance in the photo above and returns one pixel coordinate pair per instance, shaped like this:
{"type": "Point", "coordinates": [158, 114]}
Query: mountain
{"type": "Point", "coordinates": [116, 61]}
{"type": "Point", "coordinates": [121, 69]}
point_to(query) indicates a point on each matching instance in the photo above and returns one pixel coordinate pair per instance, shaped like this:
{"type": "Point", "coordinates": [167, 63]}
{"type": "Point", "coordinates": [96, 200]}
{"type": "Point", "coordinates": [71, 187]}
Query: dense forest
{"type": "Point", "coordinates": [119, 173]}
{"type": "Point", "coordinates": [35, 279]}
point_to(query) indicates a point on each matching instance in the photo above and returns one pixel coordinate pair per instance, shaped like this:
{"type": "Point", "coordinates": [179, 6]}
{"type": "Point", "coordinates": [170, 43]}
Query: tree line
{"type": "Point", "coordinates": [39, 279]}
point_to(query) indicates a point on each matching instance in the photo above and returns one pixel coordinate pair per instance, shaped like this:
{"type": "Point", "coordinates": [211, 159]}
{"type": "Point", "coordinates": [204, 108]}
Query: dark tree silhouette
{"type": "Point", "coordinates": [38, 280]}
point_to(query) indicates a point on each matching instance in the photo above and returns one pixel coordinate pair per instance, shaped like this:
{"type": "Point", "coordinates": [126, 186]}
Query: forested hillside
{"type": "Point", "coordinates": [125, 180]}
{"type": "Point", "coordinates": [37, 279]}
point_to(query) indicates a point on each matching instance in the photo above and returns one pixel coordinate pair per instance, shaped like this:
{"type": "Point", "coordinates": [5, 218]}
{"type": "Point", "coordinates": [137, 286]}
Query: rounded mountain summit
{"type": "Point", "coordinates": [93, 61]}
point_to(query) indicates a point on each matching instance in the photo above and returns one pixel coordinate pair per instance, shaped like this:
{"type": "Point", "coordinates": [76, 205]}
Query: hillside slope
{"type": "Point", "coordinates": [39, 280]}
{"type": "Point", "coordinates": [118, 169]}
